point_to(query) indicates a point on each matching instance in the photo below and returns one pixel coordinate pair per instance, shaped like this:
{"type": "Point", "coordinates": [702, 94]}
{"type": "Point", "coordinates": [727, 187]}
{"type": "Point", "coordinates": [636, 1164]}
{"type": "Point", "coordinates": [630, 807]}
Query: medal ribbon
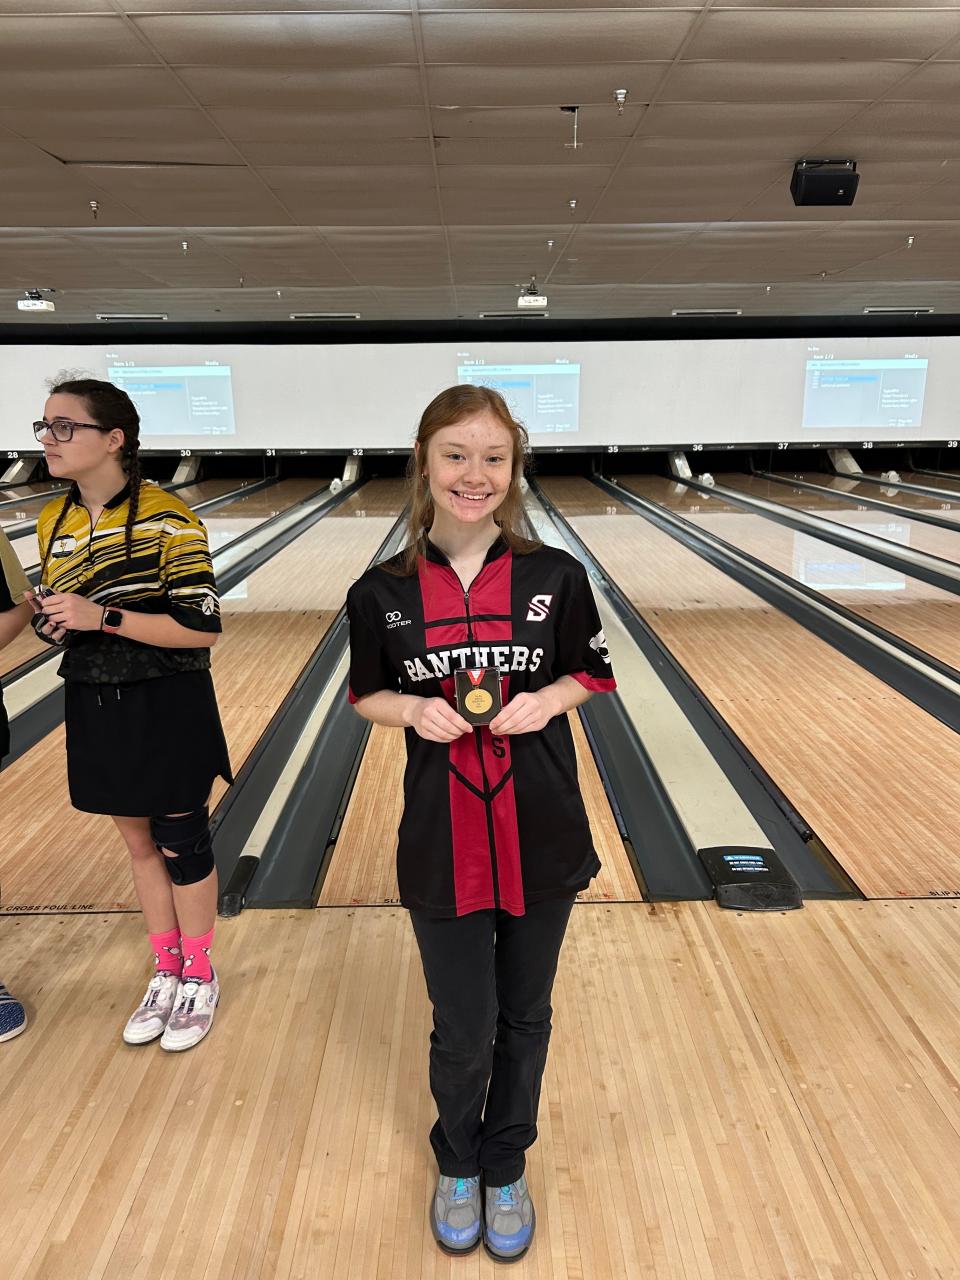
{"type": "Point", "coordinates": [476, 677]}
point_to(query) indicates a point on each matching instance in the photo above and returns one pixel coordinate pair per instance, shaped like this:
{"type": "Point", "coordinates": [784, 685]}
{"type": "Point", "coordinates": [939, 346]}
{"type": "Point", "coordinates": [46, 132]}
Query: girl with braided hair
{"type": "Point", "coordinates": [127, 589]}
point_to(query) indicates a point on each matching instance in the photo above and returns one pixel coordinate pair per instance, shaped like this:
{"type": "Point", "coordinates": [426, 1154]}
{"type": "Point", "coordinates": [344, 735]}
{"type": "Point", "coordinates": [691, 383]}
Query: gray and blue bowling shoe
{"type": "Point", "coordinates": [455, 1214]}
{"type": "Point", "coordinates": [509, 1221]}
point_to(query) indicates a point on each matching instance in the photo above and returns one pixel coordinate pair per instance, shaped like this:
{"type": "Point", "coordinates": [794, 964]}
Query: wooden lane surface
{"type": "Point", "coordinates": [900, 530]}
{"type": "Point", "coordinates": [837, 495]}
{"type": "Point", "coordinates": [207, 490]}
{"type": "Point", "coordinates": [946, 483]}
{"type": "Point", "coordinates": [725, 1097]}
{"type": "Point", "coordinates": [28, 509]}
{"type": "Point", "coordinates": [363, 868]}
{"type": "Point", "coordinates": [75, 861]}
{"type": "Point", "coordinates": [910, 608]}
{"type": "Point", "coordinates": [253, 508]}
{"type": "Point", "coordinates": [946, 508]}
{"type": "Point", "coordinates": [874, 775]}
{"type": "Point", "coordinates": [23, 491]}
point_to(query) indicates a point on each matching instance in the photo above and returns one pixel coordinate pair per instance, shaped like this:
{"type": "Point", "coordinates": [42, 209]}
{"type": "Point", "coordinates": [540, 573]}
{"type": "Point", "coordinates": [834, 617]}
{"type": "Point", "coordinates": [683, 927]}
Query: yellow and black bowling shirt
{"type": "Point", "coordinates": [13, 591]}
{"type": "Point", "coordinates": [168, 571]}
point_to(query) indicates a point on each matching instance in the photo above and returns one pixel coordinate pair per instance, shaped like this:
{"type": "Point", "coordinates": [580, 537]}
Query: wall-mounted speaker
{"type": "Point", "coordinates": [824, 181]}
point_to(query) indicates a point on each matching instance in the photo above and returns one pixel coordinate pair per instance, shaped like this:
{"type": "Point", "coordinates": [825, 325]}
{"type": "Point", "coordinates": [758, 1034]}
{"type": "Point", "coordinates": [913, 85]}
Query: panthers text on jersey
{"type": "Point", "coordinates": [488, 821]}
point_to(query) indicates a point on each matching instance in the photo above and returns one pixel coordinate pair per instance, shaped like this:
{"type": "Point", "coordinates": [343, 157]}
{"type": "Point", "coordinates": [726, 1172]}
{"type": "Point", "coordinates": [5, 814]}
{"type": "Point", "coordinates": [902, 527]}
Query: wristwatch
{"type": "Point", "coordinates": [112, 620]}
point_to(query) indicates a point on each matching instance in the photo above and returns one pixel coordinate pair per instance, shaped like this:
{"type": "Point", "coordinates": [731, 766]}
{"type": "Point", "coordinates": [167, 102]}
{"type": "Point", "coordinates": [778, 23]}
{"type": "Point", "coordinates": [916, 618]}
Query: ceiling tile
{"type": "Point", "coordinates": [40, 9]}
{"type": "Point", "coordinates": [936, 82]}
{"type": "Point", "coordinates": [282, 39]}
{"type": "Point", "coordinates": [780, 82]}
{"type": "Point", "coordinates": [787, 124]}
{"type": "Point", "coordinates": [496, 204]}
{"type": "Point", "coordinates": [81, 89]}
{"type": "Point", "coordinates": [527, 151]}
{"type": "Point", "coordinates": [39, 44]}
{"type": "Point", "coordinates": [553, 181]}
{"type": "Point", "coordinates": [543, 86]}
{"type": "Point", "coordinates": [193, 197]}
{"type": "Point", "coordinates": [551, 37]}
{"type": "Point", "coordinates": [343, 196]}
{"type": "Point", "coordinates": [833, 34]}
{"type": "Point", "coordinates": [391, 151]}
{"type": "Point", "coordinates": [281, 7]}
{"type": "Point", "coordinates": [299, 125]}
{"type": "Point", "coordinates": [92, 124]}
{"type": "Point", "coordinates": [307, 89]}
{"type": "Point", "coordinates": [550, 123]}
{"type": "Point", "coordinates": [104, 152]}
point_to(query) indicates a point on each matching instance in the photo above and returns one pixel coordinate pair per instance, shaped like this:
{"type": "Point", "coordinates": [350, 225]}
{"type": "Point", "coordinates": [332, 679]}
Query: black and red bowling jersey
{"type": "Point", "coordinates": [488, 821]}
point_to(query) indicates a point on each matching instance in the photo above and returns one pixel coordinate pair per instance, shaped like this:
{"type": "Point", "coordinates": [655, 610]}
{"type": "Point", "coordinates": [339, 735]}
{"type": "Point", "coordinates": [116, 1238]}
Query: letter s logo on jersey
{"type": "Point", "coordinates": [539, 608]}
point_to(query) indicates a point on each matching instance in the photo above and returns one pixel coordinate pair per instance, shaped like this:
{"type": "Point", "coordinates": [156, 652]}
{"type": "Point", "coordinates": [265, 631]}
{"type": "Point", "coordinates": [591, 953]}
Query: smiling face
{"type": "Point", "coordinates": [88, 450]}
{"type": "Point", "coordinates": [469, 467]}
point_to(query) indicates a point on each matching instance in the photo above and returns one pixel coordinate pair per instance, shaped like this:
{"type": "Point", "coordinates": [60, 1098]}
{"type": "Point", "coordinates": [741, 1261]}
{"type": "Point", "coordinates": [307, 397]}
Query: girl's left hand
{"type": "Point", "coordinates": [526, 713]}
{"type": "Point", "coordinates": [72, 612]}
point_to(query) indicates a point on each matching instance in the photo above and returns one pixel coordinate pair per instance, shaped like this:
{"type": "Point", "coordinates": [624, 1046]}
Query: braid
{"type": "Point", "coordinates": [132, 465]}
{"type": "Point", "coordinates": [73, 495]}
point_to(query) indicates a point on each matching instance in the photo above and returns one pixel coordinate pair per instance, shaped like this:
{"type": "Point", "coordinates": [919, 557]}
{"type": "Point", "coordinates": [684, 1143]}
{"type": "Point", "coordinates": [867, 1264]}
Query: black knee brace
{"type": "Point", "coordinates": [188, 837]}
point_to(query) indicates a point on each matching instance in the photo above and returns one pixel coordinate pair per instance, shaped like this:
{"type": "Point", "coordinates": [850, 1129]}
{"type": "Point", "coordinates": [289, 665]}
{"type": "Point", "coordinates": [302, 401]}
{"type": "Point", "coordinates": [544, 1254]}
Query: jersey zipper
{"type": "Point", "coordinates": [93, 525]}
{"type": "Point", "coordinates": [487, 802]}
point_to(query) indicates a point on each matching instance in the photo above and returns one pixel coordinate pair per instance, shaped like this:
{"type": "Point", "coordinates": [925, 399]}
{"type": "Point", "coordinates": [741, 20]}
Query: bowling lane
{"type": "Point", "coordinates": [837, 494]}
{"type": "Point", "coordinates": [23, 492]}
{"type": "Point", "coordinates": [908, 607]}
{"type": "Point", "coordinates": [67, 861]}
{"type": "Point", "coordinates": [228, 523]}
{"type": "Point", "coordinates": [874, 775]}
{"type": "Point", "coordinates": [948, 484]}
{"type": "Point", "coordinates": [901, 530]}
{"type": "Point", "coordinates": [20, 512]}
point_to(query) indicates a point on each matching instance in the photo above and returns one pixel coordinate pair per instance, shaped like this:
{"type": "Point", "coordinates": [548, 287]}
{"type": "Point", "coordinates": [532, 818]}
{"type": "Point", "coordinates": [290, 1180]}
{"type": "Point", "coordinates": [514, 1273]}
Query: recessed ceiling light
{"type": "Point", "coordinates": [324, 315]}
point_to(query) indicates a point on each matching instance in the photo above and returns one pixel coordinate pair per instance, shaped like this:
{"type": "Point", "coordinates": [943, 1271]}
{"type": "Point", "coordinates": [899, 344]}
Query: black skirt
{"type": "Point", "coordinates": [141, 750]}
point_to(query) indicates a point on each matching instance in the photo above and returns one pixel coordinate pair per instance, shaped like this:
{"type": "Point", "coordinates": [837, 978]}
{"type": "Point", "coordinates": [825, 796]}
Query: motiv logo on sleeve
{"type": "Point", "coordinates": [538, 610]}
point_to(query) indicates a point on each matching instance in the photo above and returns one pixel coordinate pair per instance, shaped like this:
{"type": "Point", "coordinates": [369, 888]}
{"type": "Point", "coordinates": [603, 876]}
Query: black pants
{"type": "Point", "coordinates": [489, 976]}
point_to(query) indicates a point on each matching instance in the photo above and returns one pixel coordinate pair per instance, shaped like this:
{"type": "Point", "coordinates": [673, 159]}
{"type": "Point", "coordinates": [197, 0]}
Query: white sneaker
{"type": "Point", "coordinates": [192, 1015]}
{"type": "Point", "coordinates": [151, 1019]}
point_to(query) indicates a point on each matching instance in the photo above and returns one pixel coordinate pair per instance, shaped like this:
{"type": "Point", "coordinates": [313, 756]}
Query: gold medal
{"type": "Point", "coordinates": [478, 701]}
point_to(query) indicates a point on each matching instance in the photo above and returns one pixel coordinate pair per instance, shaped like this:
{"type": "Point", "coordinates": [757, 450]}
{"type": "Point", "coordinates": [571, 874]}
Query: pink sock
{"type": "Point", "coordinates": [167, 953]}
{"type": "Point", "coordinates": [196, 957]}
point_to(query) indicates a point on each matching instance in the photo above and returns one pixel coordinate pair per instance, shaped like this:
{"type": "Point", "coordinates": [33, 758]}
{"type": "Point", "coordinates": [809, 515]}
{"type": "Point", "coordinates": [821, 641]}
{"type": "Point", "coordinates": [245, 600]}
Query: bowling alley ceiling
{"type": "Point", "coordinates": [412, 160]}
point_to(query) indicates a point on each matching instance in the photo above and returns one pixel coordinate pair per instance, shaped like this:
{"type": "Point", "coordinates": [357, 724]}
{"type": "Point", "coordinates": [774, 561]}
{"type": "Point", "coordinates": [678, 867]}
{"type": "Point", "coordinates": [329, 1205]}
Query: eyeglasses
{"type": "Point", "coordinates": [62, 429]}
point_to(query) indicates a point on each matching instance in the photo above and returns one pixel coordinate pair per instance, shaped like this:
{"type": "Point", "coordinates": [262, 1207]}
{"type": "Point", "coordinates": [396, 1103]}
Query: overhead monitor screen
{"type": "Point", "coordinates": [544, 397]}
{"type": "Point", "coordinates": [862, 394]}
{"type": "Point", "coordinates": [177, 399]}
{"type": "Point", "coordinates": [606, 395]}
